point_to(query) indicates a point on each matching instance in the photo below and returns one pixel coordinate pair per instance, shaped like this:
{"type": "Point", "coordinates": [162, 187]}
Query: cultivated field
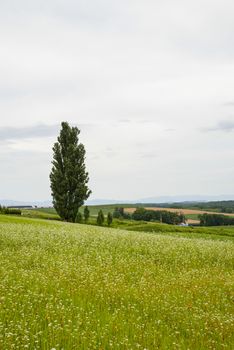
{"type": "Point", "coordinates": [183, 211]}
{"type": "Point", "coordinates": [190, 214]}
{"type": "Point", "coordinates": [70, 286]}
{"type": "Point", "coordinates": [187, 212]}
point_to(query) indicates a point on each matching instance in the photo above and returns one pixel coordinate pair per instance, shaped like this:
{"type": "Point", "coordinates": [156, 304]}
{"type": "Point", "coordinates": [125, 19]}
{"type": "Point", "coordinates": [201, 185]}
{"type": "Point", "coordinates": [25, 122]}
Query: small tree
{"type": "Point", "coordinates": [118, 213]}
{"type": "Point", "coordinates": [100, 218]}
{"type": "Point", "coordinates": [79, 218]}
{"type": "Point", "coordinates": [86, 214]}
{"type": "Point", "coordinates": [68, 177]}
{"type": "Point", "coordinates": [109, 219]}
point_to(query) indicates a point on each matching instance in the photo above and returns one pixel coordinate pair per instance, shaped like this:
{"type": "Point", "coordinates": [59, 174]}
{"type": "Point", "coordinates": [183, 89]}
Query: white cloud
{"type": "Point", "coordinates": [124, 72]}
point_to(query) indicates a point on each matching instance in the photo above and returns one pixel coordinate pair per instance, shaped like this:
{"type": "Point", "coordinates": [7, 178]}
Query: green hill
{"type": "Point", "coordinates": [71, 286]}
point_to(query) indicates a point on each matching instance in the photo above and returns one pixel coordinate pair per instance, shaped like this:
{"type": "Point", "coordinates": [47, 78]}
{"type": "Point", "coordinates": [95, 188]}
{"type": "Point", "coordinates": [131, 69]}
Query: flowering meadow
{"type": "Point", "coordinates": [71, 286]}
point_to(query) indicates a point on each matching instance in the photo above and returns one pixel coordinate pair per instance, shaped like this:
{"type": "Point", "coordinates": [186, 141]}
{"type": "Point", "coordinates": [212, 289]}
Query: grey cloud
{"type": "Point", "coordinates": [149, 155]}
{"type": "Point", "coordinates": [93, 156]}
{"type": "Point", "coordinates": [146, 121]}
{"type": "Point", "coordinates": [124, 121]}
{"type": "Point", "coordinates": [137, 121]}
{"type": "Point", "coordinates": [137, 70]}
{"type": "Point", "coordinates": [225, 126]}
{"type": "Point", "coordinates": [109, 153]}
{"type": "Point", "coordinates": [23, 172]}
{"type": "Point", "coordinates": [169, 130]}
{"type": "Point", "coordinates": [9, 134]}
{"type": "Point", "coordinates": [20, 133]}
{"type": "Point", "coordinates": [141, 144]}
{"type": "Point", "coordinates": [229, 104]}
{"type": "Point", "coordinates": [98, 14]}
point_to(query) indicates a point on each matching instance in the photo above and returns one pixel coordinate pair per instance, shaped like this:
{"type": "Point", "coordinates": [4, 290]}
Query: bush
{"type": "Point", "coordinates": [14, 211]}
{"type": "Point", "coordinates": [10, 211]}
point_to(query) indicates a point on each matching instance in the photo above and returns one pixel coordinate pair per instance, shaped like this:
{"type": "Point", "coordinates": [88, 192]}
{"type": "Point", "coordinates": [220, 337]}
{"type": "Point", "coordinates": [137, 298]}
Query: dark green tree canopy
{"type": "Point", "coordinates": [86, 213]}
{"type": "Point", "coordinates": [68, 177]}
{"type": "Point", "coordinates": [109, 219]}
{"type": "Point", "coordinates": [100, 218]}
{"type": "Point", "coordinates": [79, 218]}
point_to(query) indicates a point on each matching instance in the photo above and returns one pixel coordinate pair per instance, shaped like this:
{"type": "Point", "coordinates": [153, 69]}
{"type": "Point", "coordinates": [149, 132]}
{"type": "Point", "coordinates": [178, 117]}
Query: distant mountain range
{"type": "Point", "coordinates": [164, 199]}
{"type": "Point", "coordinates": [186, 198]}
{"type": "Point", "coordinates": [8, 203]}
{"type": "Point", "coordinates": [160, 199]}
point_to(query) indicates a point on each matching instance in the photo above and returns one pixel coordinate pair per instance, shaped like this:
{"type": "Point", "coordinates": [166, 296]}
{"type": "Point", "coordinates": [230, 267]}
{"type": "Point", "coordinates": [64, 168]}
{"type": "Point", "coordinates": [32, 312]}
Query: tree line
{"type": "Point", "coordinates": [99, 220]}
{"type": "Point", "coordinates": [163, 216]}
{"type": "Point", "coordinates": [142, 214]}
{"type": "Point", "coordinates": [9, 211]}
{"type": "Point", "coordinates": [217, 206]}
{"type": "Point", "coordinates": [215, 220]}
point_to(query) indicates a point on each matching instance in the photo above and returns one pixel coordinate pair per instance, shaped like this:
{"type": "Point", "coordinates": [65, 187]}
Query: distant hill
{"type": "Point", "coordinates": [163, 199]}
{"type": "Point", "coordinates": [8, 203]}
{"type": "Point", "coordinates": [155, 200]}
{"type": "Point", "coordinates": [185, 198]}
{"type": "Point", "coordinates": [108, 201]}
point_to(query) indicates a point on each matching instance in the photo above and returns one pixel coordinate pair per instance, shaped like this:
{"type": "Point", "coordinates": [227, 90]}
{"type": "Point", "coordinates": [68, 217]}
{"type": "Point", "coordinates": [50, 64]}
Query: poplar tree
{"type": "Point", "coordinates": [68, 177]}
{"type": "Point", "coordinates": [100, 218]}
{"type": "Point", "coordinates": [86, 214]}
{"type": "Point", "coordinates": [109, 219]}
{"type": "Point", "coordinates": [79, 218]}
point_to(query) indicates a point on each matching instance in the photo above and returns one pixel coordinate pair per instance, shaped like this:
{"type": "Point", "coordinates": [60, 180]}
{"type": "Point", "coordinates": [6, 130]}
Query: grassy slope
{"type": "Point", "coordinates": [131, 225]}
{"type": "Point", "coordinates": [94, 209]}
{"type": "Point", "coordinates": [74, 286]}
{"type": "Point", "coordinates": [41, 213]}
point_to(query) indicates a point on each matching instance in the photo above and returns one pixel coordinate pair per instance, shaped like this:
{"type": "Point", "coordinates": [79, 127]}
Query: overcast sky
{"type": "Point", "coordinates": [149, 83]}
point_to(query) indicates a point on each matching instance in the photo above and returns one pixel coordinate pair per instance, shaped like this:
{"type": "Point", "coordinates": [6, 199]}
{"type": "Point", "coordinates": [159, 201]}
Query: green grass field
{"type": "Point", "coordinates": [71, 286]}
{"type": "Point", "coordinates": [41, 213]}
{"type": "Point", "coordinates": [50, 213]}
{"type": "Point", "coordinates": [192, 216]}
{"type": "Point", "coordinates": [142, 226]}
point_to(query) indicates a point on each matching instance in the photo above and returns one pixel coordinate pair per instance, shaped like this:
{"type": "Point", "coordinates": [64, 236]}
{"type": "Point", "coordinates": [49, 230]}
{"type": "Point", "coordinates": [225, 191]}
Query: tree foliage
{"type": "Point", "coordinates": [109, 219]}
{"type": "Point", "coordinates": [215, 220]}
{"type": "Point", "coordinates": [79, 218]}
{"type": "Point", "coordinates": [218, 206]}
{"type": "Point", "coordinates": [69, 179]}
{"type": "Point", "coordinates": [86, 214]}
{"type": "Point", "coordinates": [10, 211]}
{"type": "Point", "coordinates": [119, 213]}
{"type": "Point", "coordinates": [155, 215]}
{"type": "Point", "coordinates": [100, 218]}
